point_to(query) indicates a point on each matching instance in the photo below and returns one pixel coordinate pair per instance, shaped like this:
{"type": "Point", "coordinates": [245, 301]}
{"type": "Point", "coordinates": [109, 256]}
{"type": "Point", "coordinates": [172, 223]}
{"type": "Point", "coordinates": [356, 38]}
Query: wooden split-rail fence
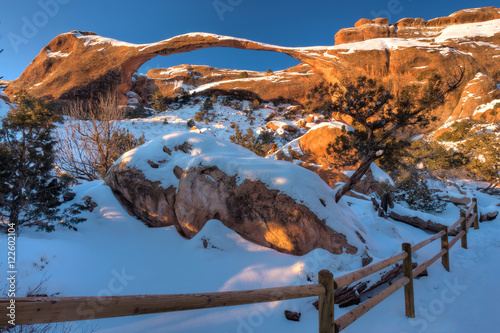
{"type": "Point", "coordinates": [39, 310]}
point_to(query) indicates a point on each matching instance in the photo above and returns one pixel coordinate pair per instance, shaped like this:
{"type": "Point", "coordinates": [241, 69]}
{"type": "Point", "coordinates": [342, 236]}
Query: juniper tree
{"type": "Point", "coordinates": [158, 101]}
{"type": "Point", "coordinates": [30, 190]}
{"type": "Point", "coordinates": [380, 118]}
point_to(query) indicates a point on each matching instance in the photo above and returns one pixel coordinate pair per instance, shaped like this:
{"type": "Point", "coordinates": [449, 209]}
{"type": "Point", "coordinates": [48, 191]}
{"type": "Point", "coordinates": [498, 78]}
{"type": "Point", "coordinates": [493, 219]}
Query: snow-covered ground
{"type": "Point", "coordinates": [223, 126]}
{"type": "Point", "coordinates": [113, 253]}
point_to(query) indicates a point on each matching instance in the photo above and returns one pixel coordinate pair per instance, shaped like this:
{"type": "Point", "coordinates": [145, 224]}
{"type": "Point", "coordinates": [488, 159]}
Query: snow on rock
{"type": "Point", "coordinates": [185, 179]}
{"type": "Point", "coordinates": [293, 146]}
{"type": "Point", "coordinates": [479, 95]}
{"type": "Point", "coordinates": [487, 107]}
{"type": "Point", "coordinates": [4, 108]}
{"type": "Point", "coordinates": [380, 175]}
{"type": "Point", "coordinates": [462, 31]}
{"type": "Point", "coordinates": [57, 54]}
{"type": "Point", "coordinates": [382, 44]}
{"type": "Point", "coordinates": [332, 124]}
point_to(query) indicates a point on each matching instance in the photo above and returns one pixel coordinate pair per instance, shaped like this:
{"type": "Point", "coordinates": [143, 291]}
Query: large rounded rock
{"type": "Point", "coordinates": [187, 179]}
{"type": "Point", "coordinates": [267, 217]}
{"type": "Point", "coordinates": [361, 22]}
{"type": "Point", "coordinates": [311, 150]}
{"type": "Point", "coordinates": [314, 144]}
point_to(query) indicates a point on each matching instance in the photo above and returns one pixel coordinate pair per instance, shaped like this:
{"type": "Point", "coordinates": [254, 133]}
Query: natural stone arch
{"type": "Point", "coordinates": [82, 64]}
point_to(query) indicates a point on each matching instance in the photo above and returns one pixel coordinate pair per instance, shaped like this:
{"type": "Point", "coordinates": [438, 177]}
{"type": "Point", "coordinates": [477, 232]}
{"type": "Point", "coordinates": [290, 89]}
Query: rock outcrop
{"type": "Point", "coordinates": [310, 151]}
{"type": "Point", "coordinates": [82, 64]}
{"type": "Point", "coordinates": [365, 29]}
{"type": "Point", "coordinates": [286, 85]}
{"type": "Point", "coordinates": [314, 144]}
{"type": "Point", "coordinates": [186, 179]}
{"type": "Point", "coordinates": [480, 100]}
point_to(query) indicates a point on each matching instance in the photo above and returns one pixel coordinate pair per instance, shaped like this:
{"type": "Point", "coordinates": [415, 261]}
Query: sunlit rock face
{"type": "Point", "coordinates": [287, 85]}
{"type": "Point", "coordinates": [187, 179]}
{"type": "Point", "coordinates": [82, 64]}
{"type": "Point", "coordinates": [311, 151]}
{"type": "Point", "coordinates": [480, 100]}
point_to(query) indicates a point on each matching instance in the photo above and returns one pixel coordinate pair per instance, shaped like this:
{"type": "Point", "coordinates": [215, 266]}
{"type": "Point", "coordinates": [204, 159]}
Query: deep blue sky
{"type": "Point", "coordinates": [281, 22]}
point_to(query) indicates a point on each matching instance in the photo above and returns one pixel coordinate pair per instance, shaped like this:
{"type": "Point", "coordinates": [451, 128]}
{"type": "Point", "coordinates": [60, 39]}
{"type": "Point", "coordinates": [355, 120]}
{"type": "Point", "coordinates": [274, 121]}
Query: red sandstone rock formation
{"type": "Point", "coordinates": [312, 154]}
{"type": "Point", "coordinates": [82, 64]}
{"type": "Point", "coordinates": [288, 84]}
{"type": "Point", "coordinates": [479, 91]}
{"type": "Point", "coordinates": [366, 29]}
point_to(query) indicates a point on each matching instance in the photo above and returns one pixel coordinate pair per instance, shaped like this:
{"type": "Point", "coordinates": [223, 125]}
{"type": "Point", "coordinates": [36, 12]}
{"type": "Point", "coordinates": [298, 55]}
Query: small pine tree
{"type": "Point", "coordinates": [262, 145]}
{"type": "Point", "coordinates": [30, 190]}
{"type": "Point", "coordinates": [244, 75]}
{"type": "Point", "coordinates": [483, 150]}
{"type": "Point", "coordinates": [415, 191]}
{"type": "Point", "coordinates": [255, 105]}
{"type": "Point", "coordinates": [121, 142]}
{"type": "Point", "coordinates": [206, 111]}
{"type": "Point", "coordinates": [158, 101]}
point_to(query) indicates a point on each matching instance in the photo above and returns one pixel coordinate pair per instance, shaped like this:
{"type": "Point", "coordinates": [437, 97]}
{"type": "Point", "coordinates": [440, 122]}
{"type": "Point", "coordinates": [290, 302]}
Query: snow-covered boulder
{"type": "Point", "coordinates": [186, 179]}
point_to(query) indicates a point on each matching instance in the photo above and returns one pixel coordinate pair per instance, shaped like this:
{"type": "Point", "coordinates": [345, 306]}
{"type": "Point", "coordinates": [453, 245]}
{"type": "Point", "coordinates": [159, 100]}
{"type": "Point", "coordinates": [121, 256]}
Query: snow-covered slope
{"type": "Point", "coordinates": [114, 254]}
{"type": "Point", "coordinates": [113, 246]}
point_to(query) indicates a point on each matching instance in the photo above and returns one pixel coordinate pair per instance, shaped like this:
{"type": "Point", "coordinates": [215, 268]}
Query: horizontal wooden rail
{"type": "Point", "coordinates": [423, 266]}
{"type": "Point", "coordinates": [360, 310]}
{"type": "Point", "coordinates": [38, 310]}
{"type": "Point", "coordinates": [456, 224]}
{"type": "Point", "coordinates": [456, 238]}
{"type": "Point", "coordinates": [427, 241]}
{"type": "Point", "coordinates": [349, 278]}
{"type": "Point", "coordinates": [471, 207]}
{"type": "Point", "coordinates": [471, 220]}
{"type": "Point", "coordinates": [464, 222]}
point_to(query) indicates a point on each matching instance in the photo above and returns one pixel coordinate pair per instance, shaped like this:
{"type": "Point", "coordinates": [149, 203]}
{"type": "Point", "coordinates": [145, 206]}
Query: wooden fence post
{"type": "Point", "coordinates": [464, 228]}
{"type": "Point", "coordinates": [327, 303]}
{"type": "Point", "coordinates": [475, 211]}
{"type": "Point", "coordinates": [445, 259]}
{"type": "Point", "coordinates": [408, 272]}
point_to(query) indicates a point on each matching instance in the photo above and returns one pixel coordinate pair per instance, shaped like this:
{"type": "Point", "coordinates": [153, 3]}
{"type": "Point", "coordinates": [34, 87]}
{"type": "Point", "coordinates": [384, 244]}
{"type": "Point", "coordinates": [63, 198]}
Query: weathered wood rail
{"type": "Point", "coordinates": [40, 310]}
